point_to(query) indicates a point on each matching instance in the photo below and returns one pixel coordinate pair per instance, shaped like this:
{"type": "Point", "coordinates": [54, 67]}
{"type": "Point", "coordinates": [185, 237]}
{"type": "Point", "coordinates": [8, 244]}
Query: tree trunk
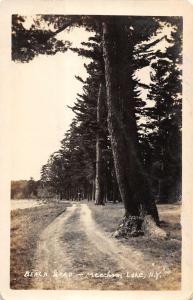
{"type": "Point", "coordinates": [99, 189]}
{"type": "Point", "coordinates": [132, 181]}
{"type": "Point", "coordinates": [93, 190]}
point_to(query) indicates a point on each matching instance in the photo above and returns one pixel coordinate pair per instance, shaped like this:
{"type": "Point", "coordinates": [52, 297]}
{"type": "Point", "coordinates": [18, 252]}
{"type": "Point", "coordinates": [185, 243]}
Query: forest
{"type": "Point", "coordinates": [124, 142]}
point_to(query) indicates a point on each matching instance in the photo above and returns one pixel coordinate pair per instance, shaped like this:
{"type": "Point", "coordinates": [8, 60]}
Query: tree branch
{"type": "Point", "coordinates": [144, 48]}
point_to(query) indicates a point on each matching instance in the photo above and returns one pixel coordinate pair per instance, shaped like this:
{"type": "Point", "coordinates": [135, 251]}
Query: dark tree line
{"type": "Point", "coordinates": [24, 189]}
{"type": "Point", "coordinates": [117, 148]}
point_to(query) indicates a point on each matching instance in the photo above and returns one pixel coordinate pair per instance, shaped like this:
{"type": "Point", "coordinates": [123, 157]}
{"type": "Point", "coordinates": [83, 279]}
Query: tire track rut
{"type": "Point", "coordinates": [83, 256]}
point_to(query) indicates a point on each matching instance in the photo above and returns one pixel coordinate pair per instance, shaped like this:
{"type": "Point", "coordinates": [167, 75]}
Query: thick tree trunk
{"type": "Point", "coordinates": [132, 181]}
{"type": "Point", "coordinates": [99, 188]}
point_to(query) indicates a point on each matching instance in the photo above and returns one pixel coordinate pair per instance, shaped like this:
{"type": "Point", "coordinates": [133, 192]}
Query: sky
{"type": "Point", "coordinates": [39, 114]}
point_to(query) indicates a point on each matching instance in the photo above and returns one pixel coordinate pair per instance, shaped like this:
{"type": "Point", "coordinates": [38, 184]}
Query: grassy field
{"type": "Point", "coordinates": [26, 225]}
{"type": "Point", "coordinates": [168, 251]}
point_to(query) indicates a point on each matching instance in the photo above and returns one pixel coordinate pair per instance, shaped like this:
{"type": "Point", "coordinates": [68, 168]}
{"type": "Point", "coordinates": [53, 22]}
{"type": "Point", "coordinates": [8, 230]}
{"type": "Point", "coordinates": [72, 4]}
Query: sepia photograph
{"type": "Point", "coordinates": [96, 168]}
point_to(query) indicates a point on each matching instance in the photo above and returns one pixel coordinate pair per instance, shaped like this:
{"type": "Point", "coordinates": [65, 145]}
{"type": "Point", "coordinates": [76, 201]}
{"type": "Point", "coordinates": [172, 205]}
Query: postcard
{"type": "Point", "coordinates": [96, 149]}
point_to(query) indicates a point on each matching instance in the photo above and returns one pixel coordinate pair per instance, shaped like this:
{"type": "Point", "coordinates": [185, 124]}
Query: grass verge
{"type": "Point", "coordinates": [167, 251]}
{"type": "Point", "coordinates": [26, 226]}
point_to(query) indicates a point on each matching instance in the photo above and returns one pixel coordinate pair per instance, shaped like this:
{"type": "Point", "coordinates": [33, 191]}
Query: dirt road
{"type": "Point", "coordinates": [73, 252]}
